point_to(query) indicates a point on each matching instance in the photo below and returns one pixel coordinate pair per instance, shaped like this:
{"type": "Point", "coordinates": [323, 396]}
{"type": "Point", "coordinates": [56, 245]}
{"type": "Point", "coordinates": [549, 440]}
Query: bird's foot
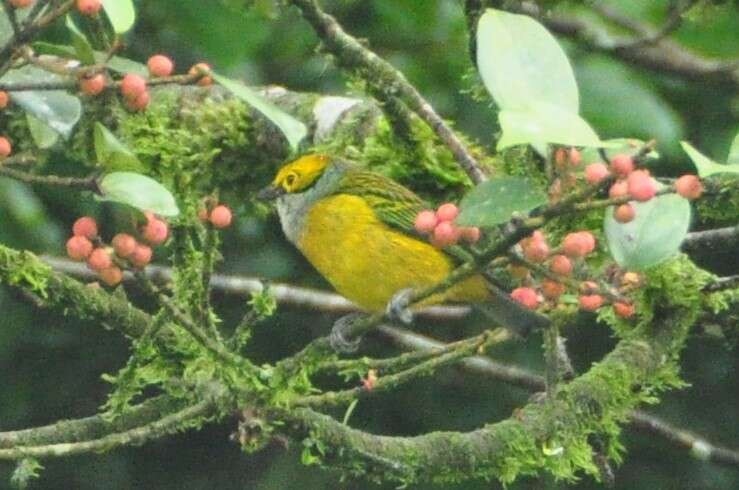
{"type": "Point", "coordinates": [340, 339]}
{"type": "Point", "coordinates": [397, 308]}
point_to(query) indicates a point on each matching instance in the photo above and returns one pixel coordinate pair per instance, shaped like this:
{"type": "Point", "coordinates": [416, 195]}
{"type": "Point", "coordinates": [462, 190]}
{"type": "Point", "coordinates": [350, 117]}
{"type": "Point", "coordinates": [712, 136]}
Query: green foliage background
{"type": "Point", "coordinates": [50, 368]}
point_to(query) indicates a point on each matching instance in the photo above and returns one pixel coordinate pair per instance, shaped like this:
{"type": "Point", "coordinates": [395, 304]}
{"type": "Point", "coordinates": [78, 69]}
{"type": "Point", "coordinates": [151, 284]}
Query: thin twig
{"type": "Point", "coordinates": [84, 183]}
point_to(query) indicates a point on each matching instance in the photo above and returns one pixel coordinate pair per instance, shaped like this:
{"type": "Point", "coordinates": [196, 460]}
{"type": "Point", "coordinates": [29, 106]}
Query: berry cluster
{"type": "Point", "coordinates": [84, 7]}
{"type": "Point", "coordinates": [124, 250]}
{"type": "Point", "coordinates": [439, 225]}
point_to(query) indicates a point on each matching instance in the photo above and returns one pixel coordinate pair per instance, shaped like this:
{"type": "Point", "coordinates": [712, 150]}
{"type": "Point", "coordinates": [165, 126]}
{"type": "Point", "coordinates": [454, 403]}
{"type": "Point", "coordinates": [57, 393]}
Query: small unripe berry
{"type": "Point", "coordinates": [445, 234]}
{"type": "Point", "coordinates": [124, 245]}
{"type": "Point", "coordinates": [536, 250]}
{"type": "Point", "coordinates": [641, 185]}
{"type": "Point", "coordinates": [447, 212]}
{"type": "Point", "coordinates": [200, 68]}
{"type": "Point", "coordinates": [552, 289]}
{"type": "Point", "coordinates": [624, 213]}
{"type": "Point", "coordinates": [221, 216]}
{"type": "Point", "coordinates": [526, 297]}
{"type": "Point", "coordinates": [141, 256]}
{"type": "Point", "coordinates": [99, 259]}
{"type": "Point", "coordinates": [4, 99]}
{"type": "Point", "coordinates": [79, 248]}
{"type": "Point", "coordinates": [589, 287]}
{"type": "Point", "coordinates": [132, 86]}
{"type": "Point", "coordinates": [578, 244]}
{"type": "Point", "coordinates": [624, 310]}
{"type": "Point", "coordinates": [160, 66]}
{"type": "Point", "coordinates": [470, 234]}
{"type": "Point", "coordinates": [20, 4]}
{"type": "Point", "coordinates": [591, 302]}
{"type": "Point", "coordinates": [89, 7]}
{"type": "Point", "coordinates": [631, 279]}
{"type": "Point", "coordinates": [139, 103]}
{"type": "Point", "coordinates": [619, 189]}
{"type": "Point", "coordinates": [518, 271]}
{"type": "Point", "coordinates": [155, 231]}
{"type": "Point", "coordinates": [622, 164]}
{"type": "Point", "coordinates": [112, 276]}
{"type": "Point", "coordinates": [5, 147]}
{"type": "Point", "coordinates": [575, 157]}
{"type": "Point", "coordinates": [689, 186]}
{"type": "Point", "coordinates": [561, 265]}
{"type": "Point", "coordinates": [596, 172]}
{"type": "Point", "coordinates": [85, 226]}
{"type": "Point", "coordinates": [426, 221]}
{"type": "Point", "coordinates": [203, 214]}
{"type": "Point", "coordinates": [93, 85]}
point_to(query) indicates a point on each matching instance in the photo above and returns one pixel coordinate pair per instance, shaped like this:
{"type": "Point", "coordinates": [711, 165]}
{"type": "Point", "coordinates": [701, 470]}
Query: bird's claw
{"type": "Point", "coordinates": [338, 338]}
{"type": "Point", "coordinates": [397, 308]}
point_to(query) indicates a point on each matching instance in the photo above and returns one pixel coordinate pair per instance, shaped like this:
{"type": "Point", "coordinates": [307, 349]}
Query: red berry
{"type": "Point", "coordinates": [4, 99]}
{"type": "Point", "coordinates": [92, 85]}
{"type": "Point", "coordinates": [561, 265]}
{"type": "Point", "coordinates": [578, 244]}
{"type": "Point", "coordinates": [89, 7]}
{"type": "Point", "coordinates": [596, 172]}
{"type": "Point", "coordinates": [552, 289]}
{"type": "Point", "coordinates": [141, 256]}
{"type": "Point", "coordinates": [641, 185]}
{"type": "Point", "coordinates": [200, 69]}
{"type": "Point", "coordinates": [624, 213]}
{"type": "Point", "coordinates": [619, 189]}
{"type": "Point", "coordinates": [221, 216]}
{"type": "Point", "coordinates": [155, 231]}
{"type": "Point", "coordinates": [19, 4]}
{"type": "Point", "coordinates": [575, 157]}
{"type": "Point", "coordinates": [124, 245]}
{"type": "Point", "coordinates": [591, 302]}
{"type": "Point", "coordinates": [447, 212]}
{"type": "Point", "coordinates": [526, 297]}
{"type": "Point", "coordinates": [624, 310]}
{"type": "Point", "coordinates": [160, 66]}
{"type": "Point", "coordinates": [426, 221]}
{"type": "Point", "coordinates": [85, 226]}
{"type": "Point", "coordinates": [99, 259]}
{"type": "Point", "coordinates": [112, 276]}
{"type": "Point", "coordinates": [132, 86]}
{"type": "Point", "coordinates": [5, 147]}
{"type": "Point", "coordinates": [79, 248]}
{"type": "Point", "coordinates": [622, 164]}
{"type": "Point", "coordinates": [689, 186]}
{"type": "Point", "coordinates": [470, 234]}
{"type": "Point", "coordinates": [139, 103]}
{"type": "Point", "coordinates": [445, 234]}
{"type": "Point", "coordinates": [536, 250]}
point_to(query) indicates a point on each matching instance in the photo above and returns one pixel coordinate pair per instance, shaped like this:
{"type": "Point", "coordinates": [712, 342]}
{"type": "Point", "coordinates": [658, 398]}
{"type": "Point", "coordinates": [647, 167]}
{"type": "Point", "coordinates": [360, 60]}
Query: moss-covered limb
{"type": "Point", "coordinates": [698, 241]}
{"type": "Point", "coordinates": [93, 427]}
{"type": "Point", "coordinates": [162, 427]}
{"type": "Point", "coordinates": [85, 184]}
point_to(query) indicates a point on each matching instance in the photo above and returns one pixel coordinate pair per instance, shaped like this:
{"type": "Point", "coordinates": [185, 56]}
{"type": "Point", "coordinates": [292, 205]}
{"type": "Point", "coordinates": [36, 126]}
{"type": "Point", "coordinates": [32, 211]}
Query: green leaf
{"type": "Point", "coordinates": [705, 165]}
{"type": "Point", "coordinates": [82, 46]}
{"type": "Point", "coordinates": [121, 14]}
{"type": "Point", "coordinates": [42, 134]}
{"type": "Point", "coordinates": [139, 191]}
{"type": "Point", "coordinates": [733, 158]}
{"type": "Point", "coordinates": [522, 64]}
{"type": "Point", "coordinates": [56, 108]}
{"type": "Point", "coordinates": [293, 129]}
{"type": "Point", "coordinates": [545, 123]}
{"type": "Point", "coordinates": [112, 154]}
{"type": "Point", "coordinates": [494, 201]}
{"type": "Point", "coordinates": [654, 235]}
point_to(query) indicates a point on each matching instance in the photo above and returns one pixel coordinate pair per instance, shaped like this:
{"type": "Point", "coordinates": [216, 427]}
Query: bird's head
{"type": "Point", "coordinates": [296, 176]}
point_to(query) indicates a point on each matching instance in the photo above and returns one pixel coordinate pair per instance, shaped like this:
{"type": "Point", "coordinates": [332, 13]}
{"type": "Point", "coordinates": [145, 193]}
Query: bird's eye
{"type": "Point", "coordinates": [290, 180]}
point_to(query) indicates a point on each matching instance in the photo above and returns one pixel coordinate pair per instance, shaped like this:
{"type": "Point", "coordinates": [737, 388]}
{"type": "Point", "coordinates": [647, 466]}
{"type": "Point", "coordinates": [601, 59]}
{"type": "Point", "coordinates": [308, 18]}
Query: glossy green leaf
{"type": "Point", "coordinates": [56, 108]}
{"type": "Point", "coordinates": [121, 13]}
{"type": "Point", "coordinates": [82, 46]}
{"type": "Point", "coordinates": [42, 134]}
{"type": "Point", "coordinates": [139, 191]}
{"type": "Point", "coordinates": [522, 64]}
{"type": "Point", "coordinates": [293, 129]}
{"type": "Point", "coordinates": [654, 235]}
{"type": "Point", "coordinates": [494, 201]}
{"type": "Point", "coordinates": [545, 124]}
{"type": "Point", "coordinates": [705, 165]}
{"type": "Point", "coordinates": [112, 154]}
{"type": "Point", "coordinates": [733, 158]}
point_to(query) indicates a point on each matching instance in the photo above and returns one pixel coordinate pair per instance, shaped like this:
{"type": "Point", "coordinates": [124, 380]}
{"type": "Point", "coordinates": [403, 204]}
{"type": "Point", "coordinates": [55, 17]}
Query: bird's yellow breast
{"type": "Point", "coordinates": [367, 261]}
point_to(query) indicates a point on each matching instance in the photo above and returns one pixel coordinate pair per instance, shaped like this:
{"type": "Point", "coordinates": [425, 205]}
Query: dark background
{"type": "Point", "coordinates": [50, 367]}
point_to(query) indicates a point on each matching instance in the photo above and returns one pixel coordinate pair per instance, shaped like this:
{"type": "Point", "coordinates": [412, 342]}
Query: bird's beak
{"type": "Point", "coordinates": [270, 193]}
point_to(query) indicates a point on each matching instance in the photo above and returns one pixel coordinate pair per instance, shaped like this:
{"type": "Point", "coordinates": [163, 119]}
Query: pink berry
{"type": "Point", "coordinates": [79, 248]}
{"type": "Point", "coordinates": [221, 216]}
{"type": "Point", "coordinates": [155, 231]}
{"type": "Point", "coordinates": [552, 289]}
{"type": "Point", "coordinates": [99, 259]}
{"type": "Point", "coordinates": [622, 164]}
{"type": "Point", "coordinates": [447, 212]}
{"type": "Point", "coordinates": [124, 245]}
{"type": "Point", "coordinates": [561, 265]}
{"type": "Point", "coordinates": [160, 66]}
{"type": "Point", "coordinates": [536, 250]}
{"type": "Point", "coordinates": [526, 297]}
{"type": "Point", "coordinates": [426, 221]}
{"type": "Point", "coordinates": [139, 103]}
{"type": "Point", "coordinates": [112, 276]}
{"type": "Point", "coordinates": [591, 302]}
{"type": "Point", "coordinates": [641, 185]}
{"type": "Point", "coordinates": [445, 234]}
{"type": "Point", "coordinates": [624, 310]}
{"type": "Point", "coordinates": [596, 172]}
{"type": "Point", "coordinates": [575, 157]}
{"type": "Point", "coordinates": [93, 85]}
{"type": "Point", "coordinates": [689, 186]}
{"type": "Point", "coordinates": [624, 213]}
{"type": "Point", "coordinates": [4, 99]}
{"type": "Point", "coordinates": [578, 244]}
{"type": "Point", "coordinates": [20, 4]}
{"type": "Point", "coordinates": [141, 256]}
{"type": "Point", "coordinates": [619, 189]}
{"type": "Point", "coordinates": [89, 7]}
{"type": "Point", "coordinates": [5, 147]}
{"type": "Point", "coordinates": [85, 226]}
{"type": "Point", "coordinates": [132, 86]}
{"type": "Point", "coordinates": [470, 234]}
